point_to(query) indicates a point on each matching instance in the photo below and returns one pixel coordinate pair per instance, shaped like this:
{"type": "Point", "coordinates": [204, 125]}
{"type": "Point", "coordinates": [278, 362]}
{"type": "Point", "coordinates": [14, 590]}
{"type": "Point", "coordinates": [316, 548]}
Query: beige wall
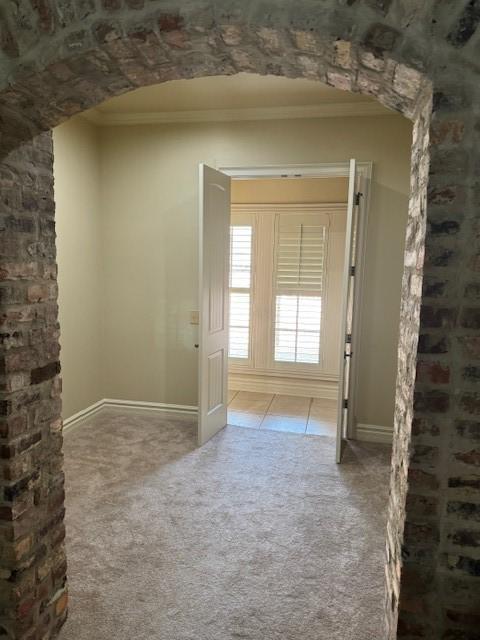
{"type": "Point", "coordinates": [149, 177]}
{"type": "Point", "coordinates": [77, 166]}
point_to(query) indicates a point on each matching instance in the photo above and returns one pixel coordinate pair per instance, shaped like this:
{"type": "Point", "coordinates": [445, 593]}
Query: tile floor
{"type": "Point", "coordinates": [295, 414]}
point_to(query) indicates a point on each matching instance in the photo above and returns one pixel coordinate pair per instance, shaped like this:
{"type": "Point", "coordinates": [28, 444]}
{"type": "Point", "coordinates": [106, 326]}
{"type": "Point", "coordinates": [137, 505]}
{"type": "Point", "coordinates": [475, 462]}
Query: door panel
{"type": "Point", "coordinates": [345, 395]}
{"type": "Point", "coordinates": [214, 234]}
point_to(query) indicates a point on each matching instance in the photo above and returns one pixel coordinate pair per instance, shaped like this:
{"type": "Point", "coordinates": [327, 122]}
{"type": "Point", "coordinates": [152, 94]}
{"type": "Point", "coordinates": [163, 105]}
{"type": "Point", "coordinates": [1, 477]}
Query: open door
{"type": "Point", "coordinates": [345, 388]}
{"type": "Point", "coordinates": [214, 234]}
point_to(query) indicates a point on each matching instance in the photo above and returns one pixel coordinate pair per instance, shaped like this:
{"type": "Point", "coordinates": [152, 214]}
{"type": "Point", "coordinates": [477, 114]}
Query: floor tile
{"type": "Point", "coordinates": [290, 406]}
{"type": "Point", "coordinates": [324, 409]}
{"type": "Point", "coordinates": [321, 427]}
{"type": "Point", "coordinates": [252, 402]}
{"type": "Point", "coordinates": [284, 423]}
{"type": "Point", "coordinates": [288, 413]}
{"type": "Point", "coordinates": [244, 419]}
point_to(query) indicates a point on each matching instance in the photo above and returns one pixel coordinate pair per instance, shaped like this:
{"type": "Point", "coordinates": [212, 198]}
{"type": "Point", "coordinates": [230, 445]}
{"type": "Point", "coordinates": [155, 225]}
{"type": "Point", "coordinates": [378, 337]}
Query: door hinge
{"type": "Point", "coordinates": [352, 270]}
{"type": "Point", "coordinates": [358, 195]}
{"type": "Point", "coordinates": [345, 404]}
{"type": "Point", "coordinates": [349, 338]}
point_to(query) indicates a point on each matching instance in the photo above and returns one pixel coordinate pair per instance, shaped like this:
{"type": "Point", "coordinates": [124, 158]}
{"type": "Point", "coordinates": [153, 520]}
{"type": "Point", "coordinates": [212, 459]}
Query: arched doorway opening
{"type": "Point", "coordinates": [147, 221]}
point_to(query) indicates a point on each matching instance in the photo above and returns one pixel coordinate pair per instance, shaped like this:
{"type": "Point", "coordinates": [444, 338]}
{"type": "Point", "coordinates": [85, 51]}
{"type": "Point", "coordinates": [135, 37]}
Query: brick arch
{"type": "Point", "coordinates": [61, 57]}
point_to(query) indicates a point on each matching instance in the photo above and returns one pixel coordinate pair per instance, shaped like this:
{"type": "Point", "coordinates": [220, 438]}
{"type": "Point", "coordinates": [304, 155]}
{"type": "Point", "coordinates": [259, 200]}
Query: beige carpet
{"type": "Point", "coordinates": [256, 536]}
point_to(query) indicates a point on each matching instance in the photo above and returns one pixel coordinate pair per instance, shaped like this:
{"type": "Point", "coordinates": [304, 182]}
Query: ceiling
{"type": "Point", "coordinates": [242, 91]}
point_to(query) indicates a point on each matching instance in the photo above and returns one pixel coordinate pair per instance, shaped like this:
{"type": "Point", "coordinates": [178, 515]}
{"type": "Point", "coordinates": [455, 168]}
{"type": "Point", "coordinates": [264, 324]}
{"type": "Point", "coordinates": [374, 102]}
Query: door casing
{"type": "Point", "coordinates": [326, 170]}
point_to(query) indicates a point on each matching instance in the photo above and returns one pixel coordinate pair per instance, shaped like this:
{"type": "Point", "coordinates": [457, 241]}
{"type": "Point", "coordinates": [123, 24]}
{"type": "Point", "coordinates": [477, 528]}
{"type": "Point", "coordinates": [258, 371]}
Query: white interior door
{"type": "Point", "coordinates": [345, 388]}
{"type": "Point", "coordinates": [214, 233]}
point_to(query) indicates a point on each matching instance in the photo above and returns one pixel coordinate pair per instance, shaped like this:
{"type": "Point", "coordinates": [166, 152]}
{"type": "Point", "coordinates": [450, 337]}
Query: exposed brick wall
{"type": "Point", "coordinates": [440, 595]}
{"type": "Point", "coordinates": [32, 565]}
{"type": "Point", "coordinates": [58, 57]}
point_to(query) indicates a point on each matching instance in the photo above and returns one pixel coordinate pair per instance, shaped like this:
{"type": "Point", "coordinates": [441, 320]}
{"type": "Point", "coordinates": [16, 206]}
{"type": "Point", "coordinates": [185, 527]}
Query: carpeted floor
{"type": "Point", "coordinates": [258, 535]}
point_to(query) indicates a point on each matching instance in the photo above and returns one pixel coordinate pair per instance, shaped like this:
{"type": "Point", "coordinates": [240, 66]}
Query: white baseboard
{"type": "Point", "coordinates": [83, 414]}
{"type": "Point", "coordinates": [289, 386]}
{"type": "Point", "coordinates": [374, 433]}
{"type": "Point", "coordinates": [364, 432]}
{"type": "Point", "coordinates": [138, 405]}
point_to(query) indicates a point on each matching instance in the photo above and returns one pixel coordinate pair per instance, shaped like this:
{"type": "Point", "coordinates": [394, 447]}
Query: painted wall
{"type": "Point", "coordinates": [149, 214]}
{"type": "Point", "coordinates": [77, 168]}
{"type": "Point", "coordinates": [149, 186]}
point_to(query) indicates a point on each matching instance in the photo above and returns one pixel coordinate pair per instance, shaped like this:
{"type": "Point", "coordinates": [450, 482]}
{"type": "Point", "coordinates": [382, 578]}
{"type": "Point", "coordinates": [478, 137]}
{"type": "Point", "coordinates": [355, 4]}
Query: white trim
{"type": "Point", "coordinates": [327, 110]}
{"type": "Point", "coordinates": [374, 433]}
{"type": "Point", "coordinates": [321, 170]}
{"type": "Point", "coordinates": [291, 171]}
{"type": "Point", "coordinates": [324, 389]}
{"type": "Point", "coordinates": [83, 415]}
{"type": "Point", "coordinates": [137, 405]}
{"type": "Point", "coordinates": [110, 403]}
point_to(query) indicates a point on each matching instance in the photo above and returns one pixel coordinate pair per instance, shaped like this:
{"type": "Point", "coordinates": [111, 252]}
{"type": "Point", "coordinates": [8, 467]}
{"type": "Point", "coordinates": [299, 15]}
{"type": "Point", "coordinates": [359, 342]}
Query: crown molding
{"type": "Point", "coordinates": [333, 110]}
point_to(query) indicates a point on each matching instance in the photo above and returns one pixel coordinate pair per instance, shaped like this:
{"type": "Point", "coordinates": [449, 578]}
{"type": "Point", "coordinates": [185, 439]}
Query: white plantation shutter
{"type": "Point", "coordinates": [240, 294]}
{"type": "Point", "coordinates": [240, 256]}
{"type": "Point", "coordinates": [299, 277]}
{"type": "Point", "coordinates": [300, 253]}
{"type": "Point", "coordinates": [239, 325]}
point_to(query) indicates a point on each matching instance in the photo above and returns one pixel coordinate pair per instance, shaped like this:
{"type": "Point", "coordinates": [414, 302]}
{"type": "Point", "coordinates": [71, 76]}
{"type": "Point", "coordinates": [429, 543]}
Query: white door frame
{"type": "Point", "coordinates": [326, 170]}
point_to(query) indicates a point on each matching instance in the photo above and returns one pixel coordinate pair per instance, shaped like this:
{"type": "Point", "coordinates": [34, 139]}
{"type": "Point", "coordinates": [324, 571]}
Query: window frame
{"type": "Point", "coordinates": [262, 360]}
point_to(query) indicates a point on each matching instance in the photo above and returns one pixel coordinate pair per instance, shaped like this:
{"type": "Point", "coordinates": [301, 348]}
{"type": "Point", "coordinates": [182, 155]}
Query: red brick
{"type": "Point", "coordinates": [432, 402]}
{"type": "Point", "coordinates": [438, 317]}
{"type": "Point", "coordinates": [38, 293]}
{"type": "Point", "coordinates": [170, 22]}
{"type": "Point", "coordinates": [433, 372]}
{"type": "Point", "coordinates": [469, 457]}
{"type": "Point", "coordinates": [111, 5]}
{"type": "Point", "coordinates": [447, 131]}
{"type": "Point", "coordinates": [420, 479]}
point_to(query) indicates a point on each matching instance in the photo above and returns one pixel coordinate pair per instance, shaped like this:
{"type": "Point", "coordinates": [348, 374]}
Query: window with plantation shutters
{"type": "Point", "coordinates": [299, 276]}
{"type": "Point", "coordinates": [241, 236]}
{"type": "Point", "coordinates": [285, 284]}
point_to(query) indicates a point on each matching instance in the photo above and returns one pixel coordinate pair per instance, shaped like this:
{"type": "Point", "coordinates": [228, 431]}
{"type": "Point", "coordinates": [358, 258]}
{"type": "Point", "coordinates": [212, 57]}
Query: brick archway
{"type": "Point", "coordinates": [61, 57]}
